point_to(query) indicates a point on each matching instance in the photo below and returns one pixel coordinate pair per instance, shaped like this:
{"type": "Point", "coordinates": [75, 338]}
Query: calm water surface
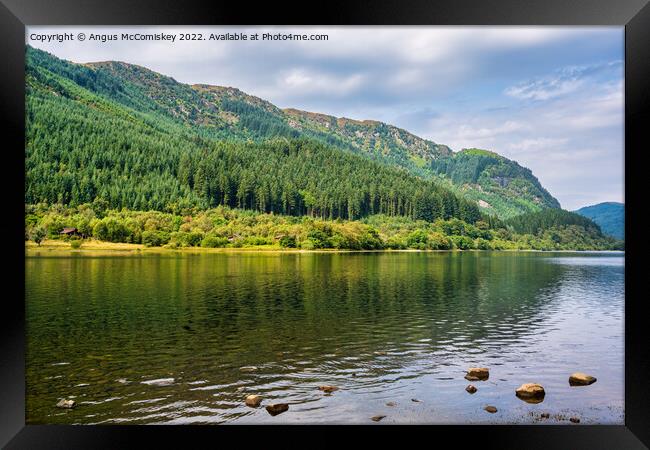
{"type": "Point", "coordinates": [183, 338]}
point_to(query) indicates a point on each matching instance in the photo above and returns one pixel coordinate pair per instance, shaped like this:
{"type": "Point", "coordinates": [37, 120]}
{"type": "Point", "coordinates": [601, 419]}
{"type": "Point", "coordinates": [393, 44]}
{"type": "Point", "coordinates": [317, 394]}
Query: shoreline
{"type": "Point", "coordinates": [119, 248]}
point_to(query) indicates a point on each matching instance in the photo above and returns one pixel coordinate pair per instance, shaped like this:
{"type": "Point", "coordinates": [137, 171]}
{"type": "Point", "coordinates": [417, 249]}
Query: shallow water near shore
{"type": "Point", "coordinates": [182, 338]}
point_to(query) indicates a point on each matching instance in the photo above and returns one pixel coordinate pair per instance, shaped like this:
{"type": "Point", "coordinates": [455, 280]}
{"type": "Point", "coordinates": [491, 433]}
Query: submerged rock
{"type": "Point", "coordinates": [491, 409]}
{"type": "Point", "coordinates": [377, 418]}
{"type": "Point", "coordinates": [531, 392]}
{"type": "Point", "coordinates": [328, 389]}
{"type": "Point", "coordinates": [544, 415]}
{"type": "Point", "coordinates": [471, 389]}
{"type": "Point", "coordinates": [574, 419]}
{"type": "Point", "coordinates": [66, 404]}
{"type": "Point", "coordinates": [477, 373]}
{"type": "Point", "coordinates": [391, 404]}
{"type": "Point", "coordinates": [277, 408]}
{"type": "Point", "coordinates": [159, 382]}
{"type": "Point", "coordinates": [415, 400]}
{"type": "Point", "coordinates": [581, 379]}
{"type": "Point", "coordinates": [253, 400]}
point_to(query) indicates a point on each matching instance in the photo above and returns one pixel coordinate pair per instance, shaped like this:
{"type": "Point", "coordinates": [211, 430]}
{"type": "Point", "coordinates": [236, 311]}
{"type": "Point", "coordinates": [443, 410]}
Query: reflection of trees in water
{"type": "Point", "coordinates": [207, 315]}
{"type": "Point", "coordinates": [280, 302]}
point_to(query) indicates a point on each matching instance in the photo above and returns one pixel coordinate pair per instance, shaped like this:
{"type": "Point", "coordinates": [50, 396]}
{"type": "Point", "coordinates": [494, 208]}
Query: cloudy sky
{"type": "Point", "coordinates": [550, 98]}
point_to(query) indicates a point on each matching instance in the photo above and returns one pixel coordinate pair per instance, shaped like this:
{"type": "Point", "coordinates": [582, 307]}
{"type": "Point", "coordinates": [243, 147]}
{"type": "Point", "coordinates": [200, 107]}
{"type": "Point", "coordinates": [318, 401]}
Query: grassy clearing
{"type": "Point", "coordinates": [94, 245]}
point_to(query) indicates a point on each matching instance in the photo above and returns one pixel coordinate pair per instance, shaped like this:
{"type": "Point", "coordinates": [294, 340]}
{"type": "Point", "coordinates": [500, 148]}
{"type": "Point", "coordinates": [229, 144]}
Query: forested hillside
{"type": "Point", "coordinates": [81, 145]}
{"type": "Point", "coordinates": [557, 226]}
{"type": "Point", "coordinates": [501, 187]}
{"type": "Point", "coordinates": [108, 143]}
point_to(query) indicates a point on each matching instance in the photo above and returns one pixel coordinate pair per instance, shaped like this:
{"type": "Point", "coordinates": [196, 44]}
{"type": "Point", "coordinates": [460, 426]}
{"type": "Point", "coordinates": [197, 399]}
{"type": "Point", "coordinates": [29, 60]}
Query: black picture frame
{"type": "Point", "coordinates": [15, 14]}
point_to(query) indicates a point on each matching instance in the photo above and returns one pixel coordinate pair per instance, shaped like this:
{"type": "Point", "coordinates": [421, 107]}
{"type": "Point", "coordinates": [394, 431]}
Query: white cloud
{"type": "Point", "coordinates": [303, 81]}
{"type": "Point", "coordinates": [469, 132]}
{"type": "Point", "coordinates": [544, 89]}
{"type": "Point", "coordinates": [536, 144]}
{"type": "Point", "coordinates": [562, 82]}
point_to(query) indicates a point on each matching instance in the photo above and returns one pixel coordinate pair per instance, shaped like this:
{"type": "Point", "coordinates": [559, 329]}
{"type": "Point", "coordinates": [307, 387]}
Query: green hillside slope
{"type": "Point", "coordinates": [128, 155]}
{"type": "Point", "coordinates": [499, 186]}
{"type": "Point", "coordinates": [84, 146]}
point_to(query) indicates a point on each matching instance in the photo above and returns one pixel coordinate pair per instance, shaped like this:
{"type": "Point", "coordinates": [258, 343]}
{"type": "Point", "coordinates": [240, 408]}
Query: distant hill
{"type": "Point", "coordinates": [610, 216]}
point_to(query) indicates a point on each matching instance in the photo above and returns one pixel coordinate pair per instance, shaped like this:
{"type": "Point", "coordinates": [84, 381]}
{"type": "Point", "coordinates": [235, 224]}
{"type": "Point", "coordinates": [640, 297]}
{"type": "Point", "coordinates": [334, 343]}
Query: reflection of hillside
{"type": "Point", "coordinates": [249, 307]}
{"type": "Point", "coordinates": [298, 318]}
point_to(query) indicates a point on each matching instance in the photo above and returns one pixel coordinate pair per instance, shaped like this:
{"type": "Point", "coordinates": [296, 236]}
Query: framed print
{"type": "Point", "coordinates": [410, 218]}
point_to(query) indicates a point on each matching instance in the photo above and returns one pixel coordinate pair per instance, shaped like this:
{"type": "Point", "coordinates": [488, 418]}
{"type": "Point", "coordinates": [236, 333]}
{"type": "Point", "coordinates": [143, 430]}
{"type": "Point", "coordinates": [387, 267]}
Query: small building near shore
{"type": "Point", "coordinates": [70, 232]}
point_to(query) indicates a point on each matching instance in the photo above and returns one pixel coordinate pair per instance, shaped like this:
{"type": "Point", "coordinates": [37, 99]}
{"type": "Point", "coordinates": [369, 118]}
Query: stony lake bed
{"type": "Point", "coordinates": [363, 338]}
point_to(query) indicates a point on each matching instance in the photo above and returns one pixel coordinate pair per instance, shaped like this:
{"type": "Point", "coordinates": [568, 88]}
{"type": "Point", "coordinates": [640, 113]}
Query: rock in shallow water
{"type": "Point", "coordinates": [471, 389]}
{"type": "Point", "coordinates": [477, 373]}
{"type": "Point", "coordinates": [66, 404]}
{"type": "Point", "coordinates": [530, 392]}
{"type": "Point", "coordinates": [377, 418]}
{"type": "Point", "coordinates": [328, 389]}
{"type": "Point", "coordinates": [253, 401]}
{"type": "Point", "coordinates": [574, 419]}
{"type": "Point", "coordinates": [581, 379]}
{"type": "Point", "coordinates": [491, 409]}
{"type": "Point", "coordinates": [277, 408]}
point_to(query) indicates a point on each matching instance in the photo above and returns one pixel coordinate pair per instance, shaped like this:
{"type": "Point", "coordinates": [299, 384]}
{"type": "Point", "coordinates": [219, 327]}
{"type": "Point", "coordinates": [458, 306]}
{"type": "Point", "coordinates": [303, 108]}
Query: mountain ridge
{"type": "Point", "coordinates": [498, 185]}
